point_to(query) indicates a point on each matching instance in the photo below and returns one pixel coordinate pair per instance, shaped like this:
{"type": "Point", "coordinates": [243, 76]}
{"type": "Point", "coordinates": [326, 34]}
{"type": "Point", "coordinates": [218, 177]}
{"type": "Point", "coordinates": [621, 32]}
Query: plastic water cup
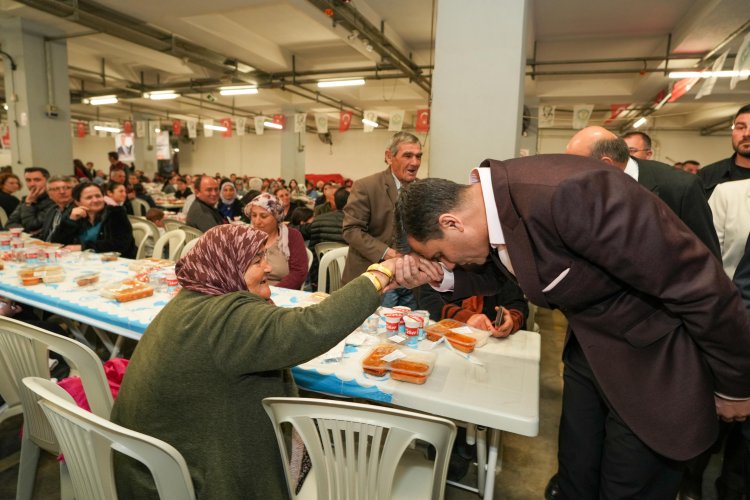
{"type": "Point", "coordinates": [412, 325]}
{"type": "Point", "coordinates": [425, 316]}
{"type": "Point", "coordinates": [392, 320]}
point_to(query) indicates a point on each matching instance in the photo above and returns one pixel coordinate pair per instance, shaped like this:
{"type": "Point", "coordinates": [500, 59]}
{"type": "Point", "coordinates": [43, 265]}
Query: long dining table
{"type": "Point", "coordinates": [494, 389]}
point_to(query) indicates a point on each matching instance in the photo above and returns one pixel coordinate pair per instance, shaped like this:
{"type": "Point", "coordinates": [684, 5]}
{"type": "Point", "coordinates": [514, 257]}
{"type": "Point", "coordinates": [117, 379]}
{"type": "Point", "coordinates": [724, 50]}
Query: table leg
{"type": "Point", "coordinates": [481, 438]}
{"type": "Point", "coordinates": [495, 452]}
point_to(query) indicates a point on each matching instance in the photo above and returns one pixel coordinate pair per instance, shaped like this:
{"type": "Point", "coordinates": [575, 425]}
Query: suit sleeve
{"type": "Point", "coordinates": [646, 247]}
{"type": "Point", "coordinates": [117, 236]}
{"type": "Point", "coordinates": [696, 214]}
{"type": "Point", "coordinates": [297, 262]}
{"type": "Point", "coordinates": [357, 216]}
{"type": "Point", "coordinates": [718, 206]}
{"type": "Point", "coordinates": [742, 277]}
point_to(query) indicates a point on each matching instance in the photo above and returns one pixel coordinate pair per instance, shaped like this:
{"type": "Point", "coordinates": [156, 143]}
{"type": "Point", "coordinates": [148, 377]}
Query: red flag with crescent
{"type": "Point", "coordinates": [81, 129]}
{"type": "Point", "coordinates": [127, 127]}
{"type": "Point", "coordinates": [345, 120]}
{"type": "Point", "coordinates": [227, 122]}
{"type": "Point", "coordinates": [176, 127]}
{"type": "Point", "coordinates": [615, 110]}
{"type": "Point", "coordinates": [280, 120]}
{"type": "Point", "coordinates": [423, 120]}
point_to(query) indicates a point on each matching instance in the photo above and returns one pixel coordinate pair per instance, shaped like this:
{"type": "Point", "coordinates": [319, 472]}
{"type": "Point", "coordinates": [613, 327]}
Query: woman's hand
{"type": "Point", "coordinates": [79, 213]}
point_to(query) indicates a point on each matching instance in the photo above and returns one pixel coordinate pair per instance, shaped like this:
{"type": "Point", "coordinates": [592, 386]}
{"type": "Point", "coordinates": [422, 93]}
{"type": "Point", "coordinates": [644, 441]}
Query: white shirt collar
{"type": "Point", "coordinates": [395, 179]}
{"type": "Point", "coordinates": [632, 168]}
{"type": "Point", "coordinates": [494, 229]}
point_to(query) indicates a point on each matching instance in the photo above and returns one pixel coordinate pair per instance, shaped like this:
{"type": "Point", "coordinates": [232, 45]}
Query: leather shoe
{"type": "Point", "coordinates": [552, 491]}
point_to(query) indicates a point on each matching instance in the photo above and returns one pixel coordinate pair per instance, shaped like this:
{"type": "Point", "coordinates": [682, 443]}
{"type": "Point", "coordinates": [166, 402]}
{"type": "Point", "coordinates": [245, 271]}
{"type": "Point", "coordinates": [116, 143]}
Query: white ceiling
{"type": "Point", "coordinates": [279, 36]}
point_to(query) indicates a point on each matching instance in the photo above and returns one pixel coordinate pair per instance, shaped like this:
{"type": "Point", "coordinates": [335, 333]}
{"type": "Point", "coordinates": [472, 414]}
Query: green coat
{"type": "Point", "coordinates": [197, 378]}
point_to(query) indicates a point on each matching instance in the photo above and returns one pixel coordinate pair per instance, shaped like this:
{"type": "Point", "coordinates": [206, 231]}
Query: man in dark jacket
{"type": "Point", "coordinates": [31, 213]}
{"type": "Point", "coordinates": [60, 192]}
{"type": "Point", "coordinates": [203, 214]}
{"type": "Point", "coordinates": [737, 166]}
{"type": "Point", "coordinates": [327, 226]}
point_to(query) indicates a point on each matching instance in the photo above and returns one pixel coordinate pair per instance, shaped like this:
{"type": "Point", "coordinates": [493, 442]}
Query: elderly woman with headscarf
{"type": "Point", "coordinates": [229, 204]}
{"type": "Point", "coordinates": [285, 246]}
{"type": "Point", "coordinates": [199, 373]}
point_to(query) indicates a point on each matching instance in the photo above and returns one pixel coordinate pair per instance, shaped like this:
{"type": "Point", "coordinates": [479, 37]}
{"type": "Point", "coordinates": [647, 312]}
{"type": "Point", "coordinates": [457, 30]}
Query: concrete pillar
{"type": "Point", "coordinates": [477, 86]}
{"type": "Point", "coordinates": [292, 150]}
{"type": "Point", "coordinates": [38, 96]}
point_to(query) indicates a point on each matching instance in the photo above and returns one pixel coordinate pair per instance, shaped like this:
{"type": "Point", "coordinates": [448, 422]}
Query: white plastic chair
{"type": "Point", "coordinates": [9, 393]}
{"type": "Point", "coordinates": [188, 246]}
{"type": "Point", "coordinates": [3, 217]}
{"type": "Point", "coordinates": [191, 232]}
{"type": "Point", "coordinates": [325, 246]}
{"type": "Point", "coordinates": [332, 265]}
{"type": "Point", "coordinates": [141, 235]}
{"type": "Point", "coordinates": [175, 239]}
{"type": "Point", "coordinates": [310, 258]}
{"type": "Point", "coordinates": [172, 224]}
{"type": "Point", "coordinates": [87, 442]}
{"type": "Point", "coordinates": [24, 349]}
{"type": "Point", "coordinates": [360, 451]}
{"type": "Point", "coordinates": [140, 207]}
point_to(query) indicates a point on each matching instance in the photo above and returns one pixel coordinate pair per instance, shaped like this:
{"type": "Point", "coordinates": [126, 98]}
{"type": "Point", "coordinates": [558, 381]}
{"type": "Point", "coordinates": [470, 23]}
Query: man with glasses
{"type": "Point", "coordinates": [639, 145]}
{"type": "Point", "coordinates": [60, 192]}
{"type": "Point", "coordinates": [737, 166]}
{"type": "Point", "coordinates": [31, 213]}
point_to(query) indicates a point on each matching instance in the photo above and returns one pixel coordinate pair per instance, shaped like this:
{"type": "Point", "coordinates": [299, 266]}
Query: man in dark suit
{"type": "Point", "coordinates": [658, 342]}
{"type": "Point", "coordinates": [742, 280]}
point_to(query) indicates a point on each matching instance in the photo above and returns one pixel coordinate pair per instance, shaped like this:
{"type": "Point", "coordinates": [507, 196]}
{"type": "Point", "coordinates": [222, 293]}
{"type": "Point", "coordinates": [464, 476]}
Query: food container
{"type": "Point", "coordinates": [147, 265]}
{"type": "Point", "coordinates": [109, 256]}
{"type": "Point", "coordinates": [460, 335]}
{"type": "Point", "coordinates": [28, 276]}
{"type": "Point", "coordinates": [16, 232]}
{"type": "Point", "coordinates": [4, 239]}
{"type": "Point", "coordinates": [126, 290]}
{"type": "Point", "coordinates": [51, 274]}
{"type": "Point", "coordinates": [86, 279]}
{"type": "Point", "coordinates": [413, 367]}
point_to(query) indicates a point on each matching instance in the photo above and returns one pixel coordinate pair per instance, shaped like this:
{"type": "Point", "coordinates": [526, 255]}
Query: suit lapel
{"type": "Point", "coordinates": [646, 178]}
{"type": "Point", "coordinates": [516, 237]}
{"type": "Point", "coordinates": [390, 186]}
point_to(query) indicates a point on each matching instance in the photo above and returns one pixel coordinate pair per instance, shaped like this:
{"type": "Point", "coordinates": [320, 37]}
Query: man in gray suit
{"type": "Point", "coordinates": [369, 225]}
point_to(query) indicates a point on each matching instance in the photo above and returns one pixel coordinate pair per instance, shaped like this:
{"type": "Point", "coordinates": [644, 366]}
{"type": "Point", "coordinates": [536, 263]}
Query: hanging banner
{"type": "Point", "coordinates": [280, 120]}
{"type": "Point", "coordinates": [241, 121]}
{"type": "Point", "coordinates": [616, 110]}
{"type": "Point", "coordinates": [124, 145]}
{"type": "Point", "coordinates": [227, 124]}
{"type": "Point", "coordinates": [321, 122]}
{"type": "Point", "coordinates": [396, 121]}
{"type": "Point", "coordinates": [207, 132]}
{"type": "Point", "coordinates": [259, 124]}
{"type": "Point", "coordinates": [81, 129]}
{"type": "Point", "coordinates": [152, 132]}
{"type": "Point", "coordinates": [127, 127]}
{"type": "Point", "coordinates": [370, 116]}
{"type": "Point", "coordinates": [103, 133]}
{"type": "Point", "coordinates": [546, 115]}
{"type": "Point", "coordinates": [741, 61]}
{"type": "Point", "coordinates": [299, 122]}
{"type": "Point", "coordinates": [192, 126]}
{"type": "Point", "coordinates": [682, 87]}
{"type": "Point", "coordinates": [177, 127]}
{"type": "Point", "coordinates": [163, 152]}
{"type": "Point", "coordinates": [92, 132]}
{"type": "Point", "coordinates": [581, 115]}
{"type": "Point", "coordinates": [345, 121]}
{"type": "Point", "coordinates": [422, 122]}
{"type": "Point", "coordinates": [5, 143]}
{"type": "Point", "coordinates": [140, 129]}
{"type": "Point", "coordinates": [708, 83]}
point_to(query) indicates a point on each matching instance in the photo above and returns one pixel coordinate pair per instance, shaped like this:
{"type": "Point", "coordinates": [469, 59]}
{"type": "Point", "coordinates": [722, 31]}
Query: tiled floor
{"type": "Point", "coordinates": [528, 463]}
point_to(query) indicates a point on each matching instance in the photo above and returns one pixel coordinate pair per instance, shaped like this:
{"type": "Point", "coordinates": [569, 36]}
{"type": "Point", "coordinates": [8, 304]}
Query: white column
{"type": "Point", "coordinates": [477, 86]}
{"type": "Point", "coordinates": [38, 97]}
{"type": "Point", "coordinates": [292, 150]}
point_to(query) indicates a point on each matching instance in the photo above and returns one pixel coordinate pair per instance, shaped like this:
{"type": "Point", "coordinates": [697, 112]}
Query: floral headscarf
{"type": "Point", "coordinates": [269, 202]}
{"type": "Point", "coordinates": [217, 263]}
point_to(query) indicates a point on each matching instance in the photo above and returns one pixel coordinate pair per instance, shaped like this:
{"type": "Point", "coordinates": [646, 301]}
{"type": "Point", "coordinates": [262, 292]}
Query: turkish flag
{"type": "Point", "coordinates": [423, 120]}
{"type": "Point", "coordinates": [127, 127]}
{"type": "Point", "coordinates": [81, 129]}
{"type": "Point", "coordinates": [682, 87]}
{"type": "Point", "coordinates": [345, 120]}
{"type": "Point", "coordinates": [6, 138]}
{"type": "Point", "coordinates": [176, 127]}
{"type": "Point", "coordinates": [615, 110]}
{"type": "Point", "coordinates": [227, 122]}
{"type": "Point", "coordinates": [280, 120]}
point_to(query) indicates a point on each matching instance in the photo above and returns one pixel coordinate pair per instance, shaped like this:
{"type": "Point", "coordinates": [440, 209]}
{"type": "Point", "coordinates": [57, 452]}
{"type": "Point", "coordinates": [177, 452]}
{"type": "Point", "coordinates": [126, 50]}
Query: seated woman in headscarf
{"type": "Point", "coordinates": [285, 246]}
{"type": "Point", "coordinates": [92, 224]}
{"type": "Point", "coordinates": [229, 204]}
{"type": "Point", "coordinates": [199, 373]}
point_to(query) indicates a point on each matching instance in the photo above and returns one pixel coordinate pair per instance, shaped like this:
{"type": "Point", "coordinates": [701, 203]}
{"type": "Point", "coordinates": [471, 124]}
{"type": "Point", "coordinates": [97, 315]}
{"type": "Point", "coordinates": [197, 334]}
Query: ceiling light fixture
{"type": "Point", "coordinates": [218, 128]}
{"type": "Point", "coordinates": [639, 122]}
{"type": "Point", "coordinates": [161, 95]}
{"type": "Point", "coordinates": [5, 107]}
{"type": "Point", "coordinates": [341, 83]}
{"type": "Point", "coordinates": [277, 126]}
{"type": "Point", "coordinates": [708, 74]}
{"type": "Point", "coordinates": [101, 128]}
{"type": "Point", "coordinates": [99, 100]}
{"type": "Point", "coordinates": [238, 90]}
{"type": "Point", "coordinates": [371, 123]}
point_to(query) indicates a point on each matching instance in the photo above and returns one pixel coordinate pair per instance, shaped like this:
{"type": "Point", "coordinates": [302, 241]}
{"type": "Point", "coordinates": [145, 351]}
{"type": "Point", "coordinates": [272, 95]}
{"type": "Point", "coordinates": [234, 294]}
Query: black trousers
{"type": "Point", "coordinates": [599, 456]}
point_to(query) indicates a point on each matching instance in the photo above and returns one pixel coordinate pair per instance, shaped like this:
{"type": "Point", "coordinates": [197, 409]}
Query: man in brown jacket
{"type": "Point", "coordinates": [369, 226]}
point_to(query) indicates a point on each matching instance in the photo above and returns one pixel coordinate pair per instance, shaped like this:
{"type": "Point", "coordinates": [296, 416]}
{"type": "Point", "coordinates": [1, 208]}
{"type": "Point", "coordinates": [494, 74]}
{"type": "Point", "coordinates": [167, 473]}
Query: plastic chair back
{"type": "Point", "coordinates": [325, 246]}
{"type": "Point", "coordinates": [356, 449]}
{"type": "Point", "coordinates": [191, 233]}
{"type": "Point", "coordinates": [141, 235]}
{"type": "Point", "coordinates": [332, 266]}
{"type": "Point", "coordinates": [140, 207]}
{"type": "Point", "coordinates": [188, 246]}
{"type": "Point", "coordinates": [87, 442]}
{"type": "Point", "coordinates": [175, 239]}
{"type": "Point", "coordinates": [9, 393]}
{"type": "Point", "coordinates": [3, 217]}
{"type": "Point", "coordinates": [172, 224]}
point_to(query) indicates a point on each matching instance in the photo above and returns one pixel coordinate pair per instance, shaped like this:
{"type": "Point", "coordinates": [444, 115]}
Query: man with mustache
{"type": "Point", "coordinates": [737, 166]}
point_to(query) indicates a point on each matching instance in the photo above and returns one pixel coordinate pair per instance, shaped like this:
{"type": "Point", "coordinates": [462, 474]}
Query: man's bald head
{"type": "Point", "coordinates": [583, 142]}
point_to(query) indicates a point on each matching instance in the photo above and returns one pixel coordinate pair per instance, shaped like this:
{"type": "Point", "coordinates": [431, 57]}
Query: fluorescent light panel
{"type": "Point", "coordinates": [277, 126]}
{"type": "Point", "coordinates": [371, 123]}
{"type": "Point", "coordinates": [99, 100]}
{"type": "Point", "coordinates": [101, 128]}
{"type": "Point", "coordinates": [341, 83]}
{"type": "Point", "coordinates": [161, 95]}
{"type": "Point", "coordinates": [239, 90]}
{"type": "Point", "coordinates": [639, 122]}
{"type": "Point", "coordinates": [219, 128]}
{"type": "Point", "coordinates": [708, 74]}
